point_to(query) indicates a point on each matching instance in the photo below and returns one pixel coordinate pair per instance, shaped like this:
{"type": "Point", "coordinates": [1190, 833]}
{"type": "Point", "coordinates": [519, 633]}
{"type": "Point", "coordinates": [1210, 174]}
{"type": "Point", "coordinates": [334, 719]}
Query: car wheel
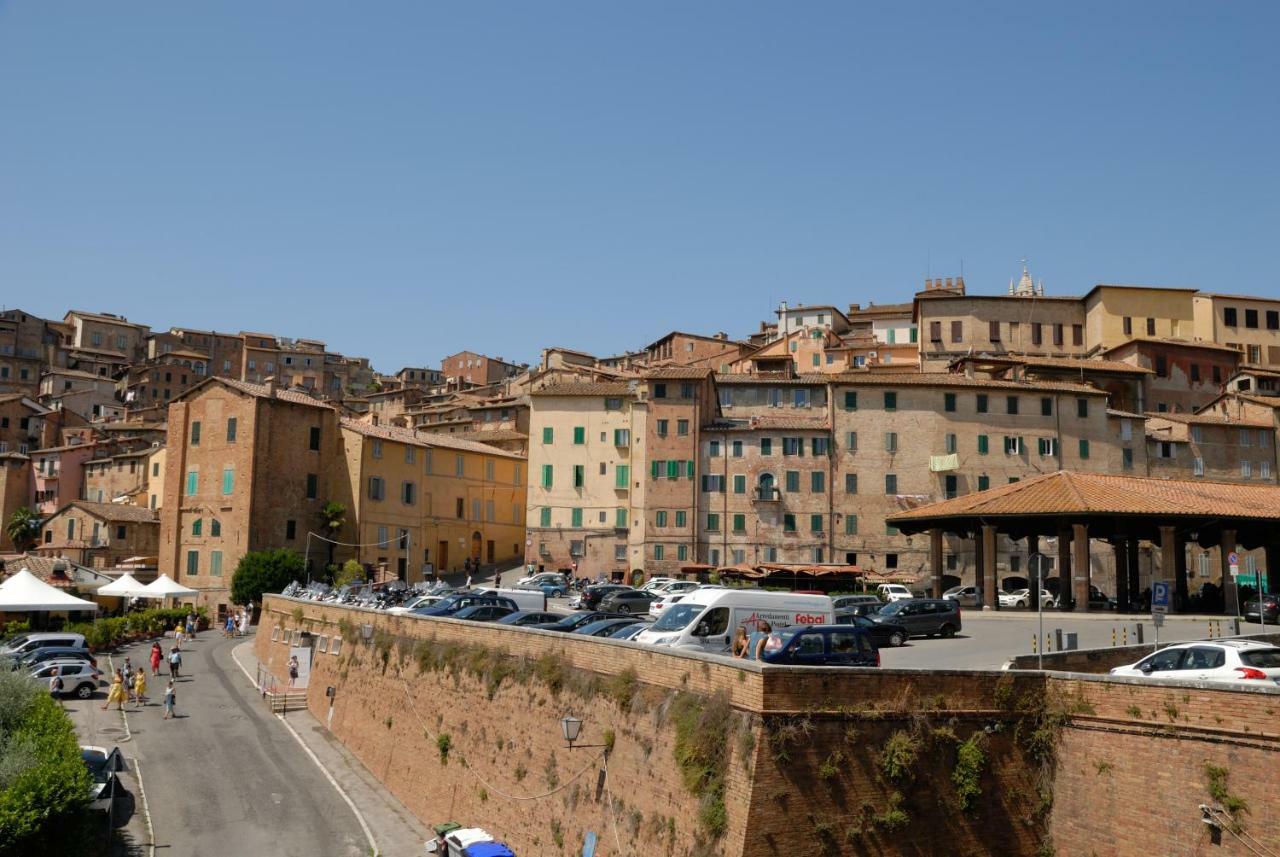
{"type": "Point", "coordinates": [622, 608]}
{"type": "Point", "coordinates": [948, 630]}
{"type": "Point", "coordinates": [84, 691]}
{"type": "Point", "coordinates": [1020, 604]}
{"type": "Point", "coordinates": [897, 638]}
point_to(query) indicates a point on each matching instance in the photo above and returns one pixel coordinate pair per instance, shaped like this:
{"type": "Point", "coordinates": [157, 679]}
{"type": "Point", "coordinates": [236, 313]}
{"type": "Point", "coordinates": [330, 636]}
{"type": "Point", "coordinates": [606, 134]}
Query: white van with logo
{"type": "Point", "coordinates": [707, 619]}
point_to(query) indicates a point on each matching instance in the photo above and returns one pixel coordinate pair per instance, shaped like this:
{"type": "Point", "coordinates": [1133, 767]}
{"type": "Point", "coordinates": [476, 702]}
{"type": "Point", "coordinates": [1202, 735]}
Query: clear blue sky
{"type": "Point", "coordinates": [408, 179]}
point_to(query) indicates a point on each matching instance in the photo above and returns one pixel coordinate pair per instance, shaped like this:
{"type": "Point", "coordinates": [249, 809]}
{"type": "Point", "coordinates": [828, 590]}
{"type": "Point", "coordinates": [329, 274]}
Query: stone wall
{"type": "Point", "coordinates": [1102, 660]}
{"type": "Point", "coordinates": [715, 757]}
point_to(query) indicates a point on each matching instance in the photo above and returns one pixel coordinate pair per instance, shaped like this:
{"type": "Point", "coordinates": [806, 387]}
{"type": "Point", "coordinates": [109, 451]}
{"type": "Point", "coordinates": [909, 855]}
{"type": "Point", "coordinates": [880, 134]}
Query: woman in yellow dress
{"type": "Point", "coordinates": [116, 694]}
{"type": "Point", "coordinates": [140, 686]}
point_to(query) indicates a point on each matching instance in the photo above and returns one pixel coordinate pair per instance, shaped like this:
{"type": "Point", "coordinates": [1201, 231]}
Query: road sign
{"type": "Point", "coordinates": [1234, 569]}
{"type": "Point", "coordinates": [1233, 558]}
{"type": "Point", "coordinates": [1160, 597]}
{"type": "Point", "coordinates": [1157, 619]}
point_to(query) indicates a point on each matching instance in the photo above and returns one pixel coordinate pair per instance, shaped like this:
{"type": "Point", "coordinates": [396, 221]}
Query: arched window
{"type": "Point", "coordinates": [197, 527]}
{"type": "Point", "coordinates": [215, 527]}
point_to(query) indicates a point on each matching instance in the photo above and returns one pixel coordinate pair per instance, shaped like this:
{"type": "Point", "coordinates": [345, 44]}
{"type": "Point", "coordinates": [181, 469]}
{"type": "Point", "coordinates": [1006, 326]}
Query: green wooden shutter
{"type": "Point", "coordinates": [548, 434]}
{"type": "Point", "coordinates": [622, 476]}
{"type": "Point", "coordinates": [579, 435]}
{"type": "Point", "coordinates": [689, 472]}
{"type": "Point", "coordinates": [653, 469]}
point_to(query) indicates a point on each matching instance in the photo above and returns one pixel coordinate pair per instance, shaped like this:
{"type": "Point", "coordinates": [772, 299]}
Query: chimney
{"type": "Point", "coordinates": [960, 284]}
{"type": "Point", "coordinates": [948, 284]}
{"type": "Point", "coordinates": [270, 383]}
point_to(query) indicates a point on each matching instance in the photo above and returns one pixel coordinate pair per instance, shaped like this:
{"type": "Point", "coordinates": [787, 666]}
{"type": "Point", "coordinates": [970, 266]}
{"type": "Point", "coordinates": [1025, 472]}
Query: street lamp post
{"type": "Point", "coordinates": [1037, 560]}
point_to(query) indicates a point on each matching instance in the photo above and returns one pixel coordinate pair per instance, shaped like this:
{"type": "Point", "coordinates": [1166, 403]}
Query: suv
{"type": "Point", "coordinates": [594, 594]}
{"type": "Point", "coordinates": [923, 616]}
{"type": "Point", "coordinates": [25, 644]}
{"type": "Point", "coordinates": [454, 603]}
{"type": "Point", "coordinates": [78, 677]}
{"type": "Point", "coordinates": [55, 653]}
{"type": "Point", "coordinates": [821, 646]}
{"type": "Point", "coordinates": [894, 592]}
{"type": "Point", "coordinates": [845, 602]}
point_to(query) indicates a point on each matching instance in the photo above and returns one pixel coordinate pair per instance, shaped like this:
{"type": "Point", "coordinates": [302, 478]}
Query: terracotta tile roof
{"type": "Point", "coordinates": [589, 388]}
{"type": "Point", "coordinates": [1186, 343]}
{"type": "Point", "coordinates": [125, 425]}
{"type": "Point", "coordinates": [74, 373]}
{"type": "Point", "coordinates": [677, 373]}
{"type": "Point", "coordinates": [1085, 365]}
{"type": "Point", "coordinates": [880, 309]}
{"type": "Point", "coordinates": [916, 379]}
{"type": "Point", "coordinates": [1115, 412]}
{"type": "Point", "coordinates": [486, 436]}
{"type": "Point", "coordinates": [116, 512]}
{"type": "Point", "coordinates": [424, 439]}
{"type": "Point", "coordinates": [110, 319]}
{"type": "Point", "coordinates": [765, 423]}
{"type": "Point", "coordinates": [1064, 493]}
{"type": "Point", "coordinates": [1208, 419]}
{"type": "Point", "coordinates": [261, 391]}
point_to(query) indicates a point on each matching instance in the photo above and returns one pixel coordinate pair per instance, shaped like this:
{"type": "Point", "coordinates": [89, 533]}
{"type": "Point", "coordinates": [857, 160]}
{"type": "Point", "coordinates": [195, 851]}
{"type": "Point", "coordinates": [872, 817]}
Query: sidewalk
{"type": "Point", "coordinates": [395, 830]}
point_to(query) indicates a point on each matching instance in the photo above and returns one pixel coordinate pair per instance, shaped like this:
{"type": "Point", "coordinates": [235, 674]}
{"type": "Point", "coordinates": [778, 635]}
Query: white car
{"type": "Point", "coordinates": [653, 583]}
{"type": "Point", "coordinates": [1022, 598]}
{"type": "Point", "coordinates": [1230, 661]}
{"type": "Point", "coordinates": [102, 764]}
{"type": "Point", "coordinates": [665, 601]}
{"type": "Point", "coordinates": [413, 604]}
{"type": "Point", "coordinates": [894, 592]}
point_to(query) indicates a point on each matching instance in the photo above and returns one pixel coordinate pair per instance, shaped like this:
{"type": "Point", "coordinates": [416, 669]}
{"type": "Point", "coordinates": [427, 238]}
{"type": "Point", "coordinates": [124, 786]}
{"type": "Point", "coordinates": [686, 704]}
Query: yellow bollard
{"type": "Point", "coordinates": [1048, 643]}
{"type": "Point", "coordinates": [1035, 645]}
{"type": "Point", "coordinates": [1125, 636]}
{"type": "Point", "coordinates": [1113, 636]}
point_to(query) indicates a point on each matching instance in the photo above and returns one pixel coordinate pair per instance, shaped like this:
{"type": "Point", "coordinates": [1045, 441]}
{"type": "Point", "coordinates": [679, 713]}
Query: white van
{"type": "Point", "coordinates": [705, 620]}
{"type": "Point", "coordinates": [525, 599]}
{"type": "Point", "coordinates": [894, 592]}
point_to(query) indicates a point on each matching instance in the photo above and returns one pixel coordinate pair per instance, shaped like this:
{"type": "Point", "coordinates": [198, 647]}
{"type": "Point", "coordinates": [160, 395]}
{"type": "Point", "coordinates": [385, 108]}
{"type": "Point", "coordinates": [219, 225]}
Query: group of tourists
{"type": "Point", "coordinates": [130, 685]}
{"type": "Point", "coordinates": [751, 647]}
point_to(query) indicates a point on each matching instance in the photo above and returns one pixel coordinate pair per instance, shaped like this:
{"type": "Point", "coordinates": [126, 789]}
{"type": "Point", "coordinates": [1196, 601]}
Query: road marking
{"type": "Point", "coordinates": [373, 846]}
{"type": "Point", "coordinates": [146, 810]}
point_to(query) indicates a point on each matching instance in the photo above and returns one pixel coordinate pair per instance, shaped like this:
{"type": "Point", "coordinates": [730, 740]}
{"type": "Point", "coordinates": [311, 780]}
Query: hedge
{"type": "Point", "coordinates": [108, 633]}
{"type": "Point", "coordinates": [44, 784]}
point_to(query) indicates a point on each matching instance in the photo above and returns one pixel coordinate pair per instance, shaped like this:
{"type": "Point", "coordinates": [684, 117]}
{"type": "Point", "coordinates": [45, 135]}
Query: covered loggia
{"type": "Point", "coordinates": [1121, 511]}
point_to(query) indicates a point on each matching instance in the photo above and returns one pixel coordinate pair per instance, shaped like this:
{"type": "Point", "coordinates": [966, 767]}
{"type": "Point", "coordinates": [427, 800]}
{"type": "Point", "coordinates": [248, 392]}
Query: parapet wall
{"type": "Point", "coordinates": [716, 757]}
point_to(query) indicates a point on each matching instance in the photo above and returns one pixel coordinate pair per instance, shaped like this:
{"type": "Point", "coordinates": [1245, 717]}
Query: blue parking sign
{"type": "Point", "coordinates": [1160, 596]}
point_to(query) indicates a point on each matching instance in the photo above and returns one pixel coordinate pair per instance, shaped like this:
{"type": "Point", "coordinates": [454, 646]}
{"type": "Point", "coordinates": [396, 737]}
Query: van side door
{"type": "Point", "coordinates": [712, 631]}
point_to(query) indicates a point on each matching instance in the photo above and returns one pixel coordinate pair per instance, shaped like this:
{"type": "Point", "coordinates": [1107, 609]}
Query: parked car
{"type": "Point", "coordinates": [79, 678]}
{"type": "Point", "coordinates": [24, 644]}
{"type": "Point", "coordinates": [1269, 613]}
{"type": "Point", "coordinates": [866, 609]}
{"type": "Point", "coordinates": [467, 842]}
{"type": "Point", "coordinates": [894, 592]}
{"type": "Point", "coordinates": [420, 602]}
{"type": "Point", "coordinates": [882, 633]}
{"type": "Point", "coordinates": [454, 603]}
{"type": "Point", "coordinates": [841, 603]}
{"type": "Point", "coordinates": [54, 653]}
{"type": "Point", "coordinates": [821, 646]}
{"type": "Point", "coordinates": [628, 601]}
{"type": "Point", "coordinates": [705, 620]}
{"type": "Point", "coordinates": [664, 603]}
{"type": "Point", "coordinates": [594, 594]}
{"type": "Point", "coordinates": [102, 764]}
{"type": "Point", "coordinates": [484, 612]}
{"type": "Point", "coordinates": [573, 621]}
{"type": "Point", "coordinates": [544, 578]}
{"type": "Point", "coordinates": [629, 632]}
{"type": "Point", "coordinates": [965, 595]}
{"type": "Point", "coordinates": [922, 616]}
{"type": "Point", "coordinates": [656, 582]}
{"type": "Point", "coordinates": [1022, 598]}
{"type": "Point", "coordinates": [1230, 661]}
{"type": "Point", "coordinates": [530, 617]}
{"type": "Point", "coordinates": [525, 599]}
{"type": "Point", "coordinates": [604, 627]}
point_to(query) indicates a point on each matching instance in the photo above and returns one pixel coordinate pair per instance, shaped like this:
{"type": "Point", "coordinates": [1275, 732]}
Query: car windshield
{"type": "Point", "coordinates": [678, 617]}
{"type": "Point", "coordinates": [893, 609]}
{"type": "Point", "coordinates": [1265, 659]}
{"type": "Point", "coordinates": [16, 642]}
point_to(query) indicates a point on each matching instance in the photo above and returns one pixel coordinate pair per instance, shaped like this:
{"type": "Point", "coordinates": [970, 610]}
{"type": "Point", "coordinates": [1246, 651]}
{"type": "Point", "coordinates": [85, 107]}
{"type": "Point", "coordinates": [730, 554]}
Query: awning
{"type": "Point", "coordinates": [125, 586]}
{"type": "Point", "coordinates": [165, 587]}
{"type": "Point", "coordinates": [26, 593]}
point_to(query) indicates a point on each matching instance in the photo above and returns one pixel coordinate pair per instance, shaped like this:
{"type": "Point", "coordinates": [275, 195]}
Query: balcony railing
{"type": "Point", "coordinates": [767, 494]}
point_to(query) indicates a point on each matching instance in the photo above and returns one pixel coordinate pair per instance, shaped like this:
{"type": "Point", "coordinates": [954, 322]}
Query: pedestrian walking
{"type": "Point", "coordinates": [192, 624]}
{"type": "Point", "coordinates": [175, 663]}
{"type": "Point", "coordinates": [116, 693]}
{"type": "Point", "coordinates": [128, 667]}
{"type": "Point", "coordinates": [229, 626]}
{"type": "Point", "coordinates": [156, 657]}
{"type": "Point", "coordinates": [244, 620]}
{"type": "Point", "coordinates": [170, 700]}
{"type": "Point", "coordinates": [140, 687]}
{"type": "Point", "coordinates": [55, 683]}
{"type": "Point", "coordinates": [293, 669]}
{"type": "Point", "coordinates": [177, 635]}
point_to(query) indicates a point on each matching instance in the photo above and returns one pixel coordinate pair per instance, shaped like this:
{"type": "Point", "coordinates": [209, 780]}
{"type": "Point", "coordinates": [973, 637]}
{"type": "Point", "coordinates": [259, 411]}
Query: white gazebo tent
{"type": "Point", "coordinates": [164, 587]}
{"type": "Point", "coordinates": [26, 593]}
{"type": "Point", "coordinates": [126, 586]}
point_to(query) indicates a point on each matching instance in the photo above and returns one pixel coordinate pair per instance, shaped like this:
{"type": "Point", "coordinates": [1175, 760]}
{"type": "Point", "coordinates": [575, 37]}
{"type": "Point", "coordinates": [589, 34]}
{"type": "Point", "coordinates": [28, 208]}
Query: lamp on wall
{"type": "Point", "coordinates": [366, 631]}
{"type": "Point", "coordinates": [571, 728]}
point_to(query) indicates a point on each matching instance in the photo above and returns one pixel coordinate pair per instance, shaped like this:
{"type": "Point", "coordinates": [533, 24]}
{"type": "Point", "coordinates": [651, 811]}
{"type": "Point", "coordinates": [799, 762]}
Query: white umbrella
{"type": "Point", "coordinates": [26, 593]}
{"type": "Point", "coordinates": [126, 585]}
{"type": "Point", "coordinates": [164, 588]}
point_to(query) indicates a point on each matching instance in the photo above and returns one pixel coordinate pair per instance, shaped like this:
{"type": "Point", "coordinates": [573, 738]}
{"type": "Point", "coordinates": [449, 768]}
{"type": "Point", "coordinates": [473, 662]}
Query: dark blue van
{"type": "Point", "coordinates": [822, 646]}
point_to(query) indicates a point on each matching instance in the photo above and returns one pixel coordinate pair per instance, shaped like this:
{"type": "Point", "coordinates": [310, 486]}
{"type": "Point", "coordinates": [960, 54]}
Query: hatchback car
{"type": "Point", "coordinates": [1230, 661]}
{"type": "Point", "coordinates": [1022, 598]}
{"type": "Point", "coordinates": [484, 612]}
{"type": "Point", "coordinates": [925, 617]}
{"type": "Point", "coordinates": [594, 594]}
{"type": "Point", "coordinates": [25, 644]}
{"type": "Point", "coordinates": [1268, 613]}
{"type": "Point", "coordinates": [965, 595]}
{"type": "Point", "coordinates": [882, 633]}
{"type": "Point", "coordinates": [79, 678]}
{"type": "Point", "coordinates": [628, 601]}
{"type": "Point", "coordinates": [821, 646]}
{"type": "Point", "coordinates": [454, 603]}
{"type": "Point", "coordinates": [55, 653]}
{"type": "Point", "coordinates": [604, 627]}
{"type": "Point", "coordinates": [568, 624]}
{"type": "Point", "coordinates": [102, 765]}
{"type": "Point", "coordinates": [529, 617]}
{"type": "Point", "coordinates": [629, 632]}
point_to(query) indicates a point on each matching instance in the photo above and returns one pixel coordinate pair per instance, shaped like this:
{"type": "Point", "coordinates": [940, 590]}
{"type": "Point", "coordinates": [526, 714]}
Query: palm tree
{"type": "Point", "coordinates": [333, 519]}
{"type": "Point", "coordinates": [22, 526]}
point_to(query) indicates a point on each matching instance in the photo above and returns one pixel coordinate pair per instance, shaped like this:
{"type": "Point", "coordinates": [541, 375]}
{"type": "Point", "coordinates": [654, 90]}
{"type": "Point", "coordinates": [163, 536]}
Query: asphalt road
{"type": "Point", "coordinates": [222, 777]}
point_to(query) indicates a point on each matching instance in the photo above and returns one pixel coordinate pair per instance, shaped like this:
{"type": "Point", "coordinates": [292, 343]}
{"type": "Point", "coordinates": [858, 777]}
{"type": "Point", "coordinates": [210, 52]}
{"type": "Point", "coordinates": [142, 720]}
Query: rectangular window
{"type": "Point", "coordinates": [660, 519]}
{"type": "Point", "coordinates": [548, 435]}
{"type": "Point", "coordinates": [737, 449]}
{"type": "Point", "coordinates": [1151, 327]}
{"type": "Point", "coordinates": [850, 400]}
{"type": "Point", "coordinates": [195, 434]}
{"type": "Point", "coordinates": [658, 552]}
{"type": "Point", "coordinates": [935, 331]}
{"type": "Point", "coordinates": [993, 331]}
{"type": "Point", "coordinates": [815, 523]}
{"type": "Point", "coordinates": [984, 444]}
{"type": "Point", "coordinates": [1263, 441]}
{"type": "Point", "coordinates": [215, 563]}
{"type": "Point", "coordinates": [681, 517]}
{"type": "Point", "coordinates": [950, 444]}
{"type": "Point", "coordinates": [193, 563]}
{"type": "Point", "coordinates": [662, 428]}
{"type": "Point", "coordinates": [793, 481]}
{"type": "Point", "coordinates": [544, 516]}
{"type": "Point", "coordinates": [575, 517]}
{"type": "Point", "coordinates": [622, 437]}
{"type": "Point", "coordinates": [622, 476]}
{"type": "Point", "coordinates": [1264, 470]}
{"type": "Point", "coordinates": [377, 488]}
{"type": "Point", "coordinates": [984, 482]}
{"type": "Point", "coordinates": [620, 519]}
{"type": "Point", "coordinates": [1245, 437]}
{"type": "Point", "coordinates": [579, 435]}
{"type": "Point", "coordinates": [682, 553]}
{"type": "Point", "coordinates": [1011, 404]}
{"type": "Point", "coordinates": [800, 396]}
{"type": "Point", "coordinates": [1057, 334]}
{"type": "Point", "coordinates": [788, 523]}
{"type": "Point", "coordinates": [818, 482]}
{"type": "Point", "coordinates": [459, 465]}
{"type": "Point", "coordinates": [1077, 334]}
{"type": "Point", "coordinates": [820, 445]}
{"type": "Point", "coordinates": [850, 525]}
{"type": "Point", "coordinates": [957, 331]}
{"type": "Point", "coordinates": [712, 483]}
{"type": "Point", "coordinates": [891, 441]}
{"type": "Point", "coordinates": [739, 484]}
{"type": "Point", "coordinates": [1273, 319]}
{"type": "Point", "coordinates": [1126, 458]}
{"type": "Point", "coordinates": [739, 523]}
{"type": "Point", "coordinates": [579, 475]}
{"type": "Point", "coordinates": [890, 401]}
{"type": "Point", "coordinates": [851, 441]}
{"type": "Point", "coordinates": [1037, 333]}
{"type": "Point", "coordinates": [409, 493]}
{"type": "Point", "coordinates": [231, 430]}
{"type": "Point", "coordinates": [673, 469]}
{"type": "Point", "coordinates": [192, 483]}
{"type": "Point", "coordinates": [713, 449]}
{"type": "Point", "coordinates": [981, 405]}
{"type": "Point", "coordinates": [891, 483]}
{"type": "Point", "coordinates": [1046, 406]}
{"type": "Point", "coordinates": [851, 483]}
{"type": "Point", "coordinates": [1128, 326]}
{"type": "Point", "coordinates": [1197, 466]}
{"type": "Point", "coordinates": [713, 523]}
{"type": "Point", "coordinates": [766, 446]}
{"type": "Point", "coordinates": [1012, 445]}
{"type": "Point", "coordinates": [949, 402]}
{"type": "Point", "coordinates": [546, 476]}
{"type": "Point", "coordinates": [313, 486]}
{"type": "Point", "coordinates": [1251, 318]}
{"type": "Point", "coordinates": [950, 487]}
{"type": "Point", "coordinates": [682, 428]}
{"type": "Point", "coordinates": [1047, 446]}
{"type": "Point", "coordinates": [1246, 469]}
{"type": "Point", "coordinates": [1084, 448]}
{"type": "Point", "coordinates": [793, 446]}
{"type": "Point", "coordinates": [314, 440]}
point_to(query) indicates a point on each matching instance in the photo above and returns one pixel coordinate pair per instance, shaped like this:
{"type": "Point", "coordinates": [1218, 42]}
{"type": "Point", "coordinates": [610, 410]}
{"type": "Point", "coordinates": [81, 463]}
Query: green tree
{"type": "Point", "coordinates": [265, 571]}
{"type": "Point", "coordinates": [22, 526]}
{"type": "Point", "coordinates": [350, 572]}
{"type": "Point", "coordinates": [333, 517]}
